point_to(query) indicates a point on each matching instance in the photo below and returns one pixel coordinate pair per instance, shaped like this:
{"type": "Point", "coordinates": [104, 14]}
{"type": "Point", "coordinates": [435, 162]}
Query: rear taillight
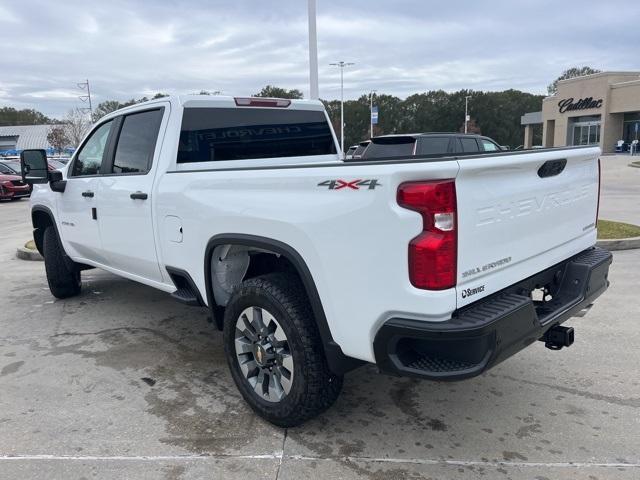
{"type": "Point", "coordinates": [262, 102]}
{"type": "Point", "coordinates": [432, 254]}
{"type": "Point", "coordinates": [599, 182]}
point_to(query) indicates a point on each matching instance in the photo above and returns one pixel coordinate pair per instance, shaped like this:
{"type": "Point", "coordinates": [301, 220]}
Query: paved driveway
{"type": "Point", "coordinates": [123, 382]}
{"type": "Point", "coordinates": [620, 189]}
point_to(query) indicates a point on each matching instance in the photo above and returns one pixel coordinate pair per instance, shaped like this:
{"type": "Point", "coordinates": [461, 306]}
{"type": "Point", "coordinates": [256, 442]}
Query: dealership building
{"type": "Point", "coordinates": [599, 109]}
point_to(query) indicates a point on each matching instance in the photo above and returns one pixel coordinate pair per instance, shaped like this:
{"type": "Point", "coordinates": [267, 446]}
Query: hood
{"type": "Point", "coordinates": [4, 177]}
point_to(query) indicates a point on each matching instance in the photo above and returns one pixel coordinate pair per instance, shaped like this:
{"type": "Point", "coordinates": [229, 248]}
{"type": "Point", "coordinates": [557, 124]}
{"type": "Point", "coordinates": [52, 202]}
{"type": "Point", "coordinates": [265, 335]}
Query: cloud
{"type": "Point", "coordinates": [128, 49]}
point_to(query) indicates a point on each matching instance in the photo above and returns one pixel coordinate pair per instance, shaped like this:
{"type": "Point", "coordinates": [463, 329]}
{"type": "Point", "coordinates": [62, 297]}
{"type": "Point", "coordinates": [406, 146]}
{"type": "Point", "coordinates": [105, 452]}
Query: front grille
{"type": "Point", "coordinates": [18, 183]}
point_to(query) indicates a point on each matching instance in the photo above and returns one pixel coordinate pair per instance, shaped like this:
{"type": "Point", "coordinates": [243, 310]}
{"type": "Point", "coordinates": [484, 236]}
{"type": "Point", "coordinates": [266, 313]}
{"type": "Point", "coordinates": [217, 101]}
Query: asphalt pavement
{"type": "Point", "coordinates": [123, 382]}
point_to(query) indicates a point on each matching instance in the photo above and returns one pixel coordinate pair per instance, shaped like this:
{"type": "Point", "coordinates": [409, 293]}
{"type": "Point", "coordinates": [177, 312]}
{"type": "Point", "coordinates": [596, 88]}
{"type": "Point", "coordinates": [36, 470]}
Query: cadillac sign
{"type": "Point", "coordinates": [568, 104]}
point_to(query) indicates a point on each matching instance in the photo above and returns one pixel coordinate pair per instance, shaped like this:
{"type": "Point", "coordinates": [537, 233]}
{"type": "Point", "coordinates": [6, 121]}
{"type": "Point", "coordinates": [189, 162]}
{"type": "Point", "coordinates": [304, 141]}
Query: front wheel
{"type": "Point", "coordinates": [275, 352]}
{"type": "Point", "coordinates": [63, 275]}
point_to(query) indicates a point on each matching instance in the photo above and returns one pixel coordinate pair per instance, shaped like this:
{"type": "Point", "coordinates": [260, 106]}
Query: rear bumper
{"type": "Point", "coordinates": [486, 332]}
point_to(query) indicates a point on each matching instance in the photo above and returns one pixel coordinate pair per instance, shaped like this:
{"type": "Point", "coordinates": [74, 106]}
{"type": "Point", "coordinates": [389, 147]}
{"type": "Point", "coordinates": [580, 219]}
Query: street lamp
{"type": "Point", "coordinates": [341, 64]}
{"type": "Point", "coordinates": [314, 93]}
{"type": "Point", "coordinates": [371, 109]}
{"type": "Point", "coordinates": [466, 111]}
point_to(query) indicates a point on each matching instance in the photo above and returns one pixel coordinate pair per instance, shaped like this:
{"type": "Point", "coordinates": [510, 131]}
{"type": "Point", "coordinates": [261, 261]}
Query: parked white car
{"type": "Point", "coordinates": [437, 268]}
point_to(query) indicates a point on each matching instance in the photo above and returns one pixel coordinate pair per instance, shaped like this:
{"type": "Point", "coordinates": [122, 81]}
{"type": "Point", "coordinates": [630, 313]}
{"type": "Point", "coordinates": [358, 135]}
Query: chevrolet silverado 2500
{"type": "Point", "coordinates": [431, 266]}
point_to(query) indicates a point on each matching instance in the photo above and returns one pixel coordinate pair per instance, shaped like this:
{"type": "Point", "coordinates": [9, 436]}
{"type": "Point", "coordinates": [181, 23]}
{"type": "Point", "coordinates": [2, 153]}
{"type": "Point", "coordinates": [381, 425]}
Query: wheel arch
{"type": "Point", "coordinates": [338, 362]}
{"type": "Point", "coordinates": [41, 218]}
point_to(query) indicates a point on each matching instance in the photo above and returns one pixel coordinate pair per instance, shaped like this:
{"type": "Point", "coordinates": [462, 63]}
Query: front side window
{"type": "Point", "coordinates": [137, 142]}
{"type": "Point", "coordinates": [489, 146]}
{"type": "Point", "coordinates": [89, 158]}
{"type": "Point", "coordinates": [218, 134]}
{"type": "Point", "coordinates": [433, 145]}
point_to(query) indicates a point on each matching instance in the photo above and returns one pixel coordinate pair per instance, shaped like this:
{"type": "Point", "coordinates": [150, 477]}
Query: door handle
{"type": "Point", "coordinates": [139, 196]}
{"type": "Point", "coordinates": [88, 193]}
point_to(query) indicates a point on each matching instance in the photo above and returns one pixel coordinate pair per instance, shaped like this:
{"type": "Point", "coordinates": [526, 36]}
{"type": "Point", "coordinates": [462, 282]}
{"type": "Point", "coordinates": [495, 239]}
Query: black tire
{"type": "Point", "coordinates": [314, 387]}
{"type": "Point", "coordinates": [63, 275]}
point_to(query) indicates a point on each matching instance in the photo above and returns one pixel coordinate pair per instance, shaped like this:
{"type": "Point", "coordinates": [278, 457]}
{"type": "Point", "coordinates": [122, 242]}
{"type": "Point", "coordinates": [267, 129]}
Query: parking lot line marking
{"type": "Point", "coordinates": [280, 457]}
{"type": "Point", "coordinates": [151, 458]}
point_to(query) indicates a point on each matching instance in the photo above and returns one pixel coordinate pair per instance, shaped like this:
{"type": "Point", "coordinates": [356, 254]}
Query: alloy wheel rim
{"type": "Point", "coordinates": [263, 354]}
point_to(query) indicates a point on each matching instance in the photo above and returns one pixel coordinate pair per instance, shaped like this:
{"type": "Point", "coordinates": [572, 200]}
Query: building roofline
{"type": "Point", "coordinates": [599, 74]}
{"type": "Point", "coordinates": [628, 83]}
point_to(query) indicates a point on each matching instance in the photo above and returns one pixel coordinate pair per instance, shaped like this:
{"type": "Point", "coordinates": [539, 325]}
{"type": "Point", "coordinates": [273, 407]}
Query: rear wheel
{"type": "Point", "coordinates": [63, 275]}
{"type": "Point", "coordinates": [275, 353]}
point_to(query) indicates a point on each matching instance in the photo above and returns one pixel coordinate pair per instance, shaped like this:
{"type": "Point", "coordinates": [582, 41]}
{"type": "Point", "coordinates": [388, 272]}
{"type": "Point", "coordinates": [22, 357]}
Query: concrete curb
{"type": "Point", "coordinates": [27, 254]}
{"type": "Point", "coordinates": [619, 244]}
{"type": "Point", "coordinates": [635, 164]}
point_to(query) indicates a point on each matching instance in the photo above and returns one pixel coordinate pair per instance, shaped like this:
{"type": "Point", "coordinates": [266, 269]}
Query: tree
{"type": "Point", "coordinates": [11, 117]}
{"type": "Point", "coordinates": [105, 108]}
{"type": "Point", "coordinates": [109, 106]}
{"type": "Point", "coordinates": [277, 92]}
{"type": "Point", "coordinates": [76, 125]}
{"type": "Point", "coordinates": [572, 72]}
{"type": "Point", "coordinates": [57, 138]}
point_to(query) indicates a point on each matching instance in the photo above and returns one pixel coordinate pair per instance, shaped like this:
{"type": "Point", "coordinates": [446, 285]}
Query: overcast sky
{"type": "Point", "coordinates": [134, 48]}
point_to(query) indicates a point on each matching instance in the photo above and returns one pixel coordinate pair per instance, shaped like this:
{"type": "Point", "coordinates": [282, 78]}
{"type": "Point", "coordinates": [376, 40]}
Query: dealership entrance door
{"type": "Point", "coordinates": [585, 131]}
{"type": "Point", "coordinates": [631, 127]}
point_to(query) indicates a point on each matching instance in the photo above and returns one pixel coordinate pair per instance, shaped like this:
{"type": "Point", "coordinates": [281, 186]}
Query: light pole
{"type": "Point", "coordinates": [371, 109]}
{"type": "Point", "coordinates": [466, 111]}
{"type": "Point", "coordinates": [314, 93]}
{"type": "Point", "coordinates": [341, 64]}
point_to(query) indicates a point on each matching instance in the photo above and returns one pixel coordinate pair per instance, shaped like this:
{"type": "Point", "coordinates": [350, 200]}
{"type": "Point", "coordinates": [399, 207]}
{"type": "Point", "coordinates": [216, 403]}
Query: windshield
{"type": "Point", "coordinates": [10, 168]}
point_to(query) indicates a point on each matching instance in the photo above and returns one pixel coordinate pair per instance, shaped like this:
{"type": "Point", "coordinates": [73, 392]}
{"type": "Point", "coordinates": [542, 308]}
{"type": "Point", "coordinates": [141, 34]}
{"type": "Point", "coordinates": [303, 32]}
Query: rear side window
{"type": "Point", "coordinates": [390, 147]}
{"type": "Point", "coordinates": [433, 145]}
{"type": "Point", "coordinates": [137, 142]}
{"type": "Point", "coordinates": [469, 144]}
{"type": "Point", "coordinates": [217, 134]}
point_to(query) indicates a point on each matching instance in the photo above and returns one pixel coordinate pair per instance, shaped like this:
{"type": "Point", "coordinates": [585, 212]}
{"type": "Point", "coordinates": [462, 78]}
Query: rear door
{"type": "Point", "coordinates": [522, 213]}
{"type": "Point", "coordinates": [124, 205]}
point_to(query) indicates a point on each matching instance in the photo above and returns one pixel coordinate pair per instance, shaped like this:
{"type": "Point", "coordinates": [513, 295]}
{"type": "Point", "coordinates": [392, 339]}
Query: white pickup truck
{"type": "Point", "coordinates": [437, 267]}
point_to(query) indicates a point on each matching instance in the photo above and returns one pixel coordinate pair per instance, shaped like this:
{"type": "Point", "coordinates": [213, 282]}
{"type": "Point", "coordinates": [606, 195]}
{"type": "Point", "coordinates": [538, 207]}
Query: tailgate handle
{"type": "Point", "coordinates": [552, 168]}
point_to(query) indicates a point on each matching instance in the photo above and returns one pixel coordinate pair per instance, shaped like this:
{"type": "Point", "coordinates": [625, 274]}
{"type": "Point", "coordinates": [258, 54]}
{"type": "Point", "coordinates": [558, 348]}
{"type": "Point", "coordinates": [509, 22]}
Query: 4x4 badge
{"type": "Point", "coordinates": [339, 184]}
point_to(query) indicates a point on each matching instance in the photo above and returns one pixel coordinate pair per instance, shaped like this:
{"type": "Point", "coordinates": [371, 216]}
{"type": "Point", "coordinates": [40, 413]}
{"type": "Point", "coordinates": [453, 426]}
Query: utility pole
{"type": "Point", "coordinates": [371, 110]}
{"type": "Point", "coordinates": [341, 64]}
{"type": "Point", "coordinates": [466, 111]}
{"type": "Point", "coordinates": [84, 86]}
{"type": "Point", "coordinates": [314, 92]}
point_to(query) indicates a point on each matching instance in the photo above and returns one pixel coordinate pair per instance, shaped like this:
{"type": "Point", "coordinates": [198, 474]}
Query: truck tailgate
{"type": "Point", "coordinates": [519, 214]}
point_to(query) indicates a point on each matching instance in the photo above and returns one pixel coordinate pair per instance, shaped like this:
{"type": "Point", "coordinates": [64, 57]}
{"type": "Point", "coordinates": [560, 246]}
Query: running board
{"type": "Point", "coordinates": [186, 290]}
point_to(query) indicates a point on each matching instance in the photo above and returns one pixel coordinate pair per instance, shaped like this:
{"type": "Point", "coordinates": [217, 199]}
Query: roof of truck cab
{"type": "Point", "coordinates": [220, 101]}
{"type": "Point", "coordinates": [211, 101]}
{"type": "Point", "coordinates": [426, 134]}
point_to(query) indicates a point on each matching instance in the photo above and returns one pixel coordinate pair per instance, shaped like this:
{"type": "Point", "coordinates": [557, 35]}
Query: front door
{"type": "Point", "coordinates": [125, 201]}
{"type": "Point", "coordinates": [77, 213]}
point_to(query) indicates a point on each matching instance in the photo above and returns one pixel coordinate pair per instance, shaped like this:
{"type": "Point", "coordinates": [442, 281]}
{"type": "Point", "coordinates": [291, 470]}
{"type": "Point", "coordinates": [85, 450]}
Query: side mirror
{"type": "Point", "coordinates": [34, 166]}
